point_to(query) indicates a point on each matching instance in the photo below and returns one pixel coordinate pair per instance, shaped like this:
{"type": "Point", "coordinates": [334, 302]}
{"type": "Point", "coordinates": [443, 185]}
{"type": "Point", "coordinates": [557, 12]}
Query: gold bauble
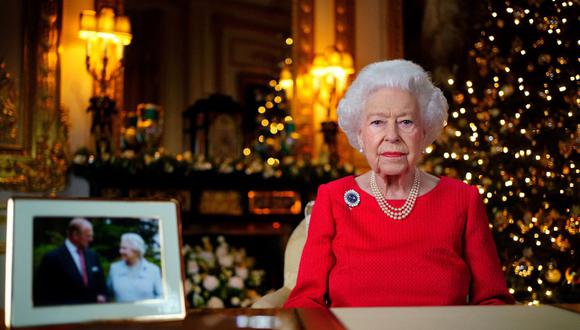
{"type": "Point", "coordinates": [553, 275]}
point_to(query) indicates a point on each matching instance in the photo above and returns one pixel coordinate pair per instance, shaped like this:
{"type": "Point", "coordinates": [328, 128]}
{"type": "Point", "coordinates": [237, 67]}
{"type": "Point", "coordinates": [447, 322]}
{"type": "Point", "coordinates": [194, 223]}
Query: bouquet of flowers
{"type": "Point", "coordinates": [220, 277]}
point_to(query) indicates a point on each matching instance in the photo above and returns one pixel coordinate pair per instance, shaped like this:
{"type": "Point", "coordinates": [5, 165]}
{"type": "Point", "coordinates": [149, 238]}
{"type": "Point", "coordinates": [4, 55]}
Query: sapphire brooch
{"type": "Point", "coordinates": [351, 198]}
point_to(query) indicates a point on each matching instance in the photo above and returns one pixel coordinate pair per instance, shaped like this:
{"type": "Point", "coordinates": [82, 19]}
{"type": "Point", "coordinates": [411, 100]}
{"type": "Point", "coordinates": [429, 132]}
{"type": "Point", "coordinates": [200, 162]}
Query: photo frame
{"type": "Point", "coordinates": [41, 234]}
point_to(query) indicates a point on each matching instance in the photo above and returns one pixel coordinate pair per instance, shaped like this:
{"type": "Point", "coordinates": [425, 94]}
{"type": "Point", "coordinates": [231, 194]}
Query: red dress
{"type": "Point", "coordinates": [441, 254]}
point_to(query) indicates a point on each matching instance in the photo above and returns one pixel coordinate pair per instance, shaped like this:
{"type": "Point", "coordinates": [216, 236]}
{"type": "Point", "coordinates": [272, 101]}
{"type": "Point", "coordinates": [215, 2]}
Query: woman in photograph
{"type": "Point", "coordinates": [395, 235]}
{"type": "Point", "coordinates": [133, 277]}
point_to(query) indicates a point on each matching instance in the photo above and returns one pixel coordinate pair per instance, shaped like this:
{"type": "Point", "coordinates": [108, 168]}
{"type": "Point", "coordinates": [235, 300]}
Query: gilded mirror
{"type": "Point", "coordinates": [32, 125]}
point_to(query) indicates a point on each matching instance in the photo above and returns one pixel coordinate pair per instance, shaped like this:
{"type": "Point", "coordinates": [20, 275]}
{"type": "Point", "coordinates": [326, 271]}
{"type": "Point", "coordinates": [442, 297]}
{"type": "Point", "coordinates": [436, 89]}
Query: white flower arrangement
{"type": "Point", "coordinates": [220, 277]}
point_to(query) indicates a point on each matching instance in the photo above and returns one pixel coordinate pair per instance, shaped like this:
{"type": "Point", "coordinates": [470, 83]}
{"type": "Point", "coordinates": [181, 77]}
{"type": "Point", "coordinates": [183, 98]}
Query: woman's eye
{"type": "Point", "coordinates": [406, 123]}
{"type": "Point", "coordinates": [376, 122]}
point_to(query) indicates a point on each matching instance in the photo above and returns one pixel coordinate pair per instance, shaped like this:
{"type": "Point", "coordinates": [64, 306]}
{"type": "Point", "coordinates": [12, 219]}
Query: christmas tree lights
{"type": "Point", "coordinates": [513, 131]}
{"type": "Point", "coordinates": [276, 131]}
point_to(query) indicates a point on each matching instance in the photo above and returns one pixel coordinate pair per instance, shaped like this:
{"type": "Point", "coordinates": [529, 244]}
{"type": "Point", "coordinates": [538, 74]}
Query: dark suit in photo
{"type": "Point", "coordinates": [59, 282]}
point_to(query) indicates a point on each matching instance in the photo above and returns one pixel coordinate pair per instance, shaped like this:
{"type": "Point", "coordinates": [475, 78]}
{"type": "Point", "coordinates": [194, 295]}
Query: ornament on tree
{"type": "Point", "coordinates": [553, 274]}
{"type": "Point", "coordinates": [562, 243]}
{"type": "Point", "coordinates": [572, 275]}
{"type": "Point", "coordinates": [500, 221]}
{"type": "Point", "coordinates": [458, 98]}
{"type": "Point", "coordinates": [507, 90]}
{"type": "Point", "coordinates": [573, 225]}
{"type": "Point", "coordinates": [523, 267]}
{"type": "Point", "coordinates": [545, 221]}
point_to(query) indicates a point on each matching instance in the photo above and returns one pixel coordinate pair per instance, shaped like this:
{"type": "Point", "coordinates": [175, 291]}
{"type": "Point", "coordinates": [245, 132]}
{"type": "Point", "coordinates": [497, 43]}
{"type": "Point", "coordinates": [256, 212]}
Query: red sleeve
{"type": "Point", "coordinates": [317, 257]}
{"type": "Point", "coordinates": [488, 286]}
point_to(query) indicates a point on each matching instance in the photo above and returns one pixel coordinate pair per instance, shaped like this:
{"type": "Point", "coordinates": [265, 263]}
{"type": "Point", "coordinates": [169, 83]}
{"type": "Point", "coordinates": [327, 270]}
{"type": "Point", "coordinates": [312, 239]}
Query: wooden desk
{"type": "Point", "coordinates": [224, 319]}
{"type": "Point", "coordinates": [459, 317]}
{"type": "Point", "coordinates": [404, 318]}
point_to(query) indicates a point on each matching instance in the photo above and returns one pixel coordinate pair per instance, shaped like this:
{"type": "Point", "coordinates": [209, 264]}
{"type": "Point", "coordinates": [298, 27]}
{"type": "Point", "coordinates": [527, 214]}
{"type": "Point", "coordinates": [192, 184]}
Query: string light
{"type": "Point", "coordinates": [537, 70]}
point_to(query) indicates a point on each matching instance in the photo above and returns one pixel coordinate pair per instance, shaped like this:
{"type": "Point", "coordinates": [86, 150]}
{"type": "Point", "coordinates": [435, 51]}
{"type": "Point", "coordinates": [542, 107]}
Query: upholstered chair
{"type": "Point", "coordinates": [292, 256]}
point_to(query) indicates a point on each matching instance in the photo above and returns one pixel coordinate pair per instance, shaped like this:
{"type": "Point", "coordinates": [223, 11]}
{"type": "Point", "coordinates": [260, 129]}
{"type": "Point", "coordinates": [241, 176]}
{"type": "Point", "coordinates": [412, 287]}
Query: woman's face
{"type": "Point", "coordinates": [391, 133]}
{"type": "Point", "coordinates": [128, 253]}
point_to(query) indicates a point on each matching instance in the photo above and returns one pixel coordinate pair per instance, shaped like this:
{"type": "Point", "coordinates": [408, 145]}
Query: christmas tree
{"type": "Point", "coordinates": [276, 135]}
{"type": "Point", "coordinates": [513, 131]}
{"type": "Point", "coordinates": [275, 129]}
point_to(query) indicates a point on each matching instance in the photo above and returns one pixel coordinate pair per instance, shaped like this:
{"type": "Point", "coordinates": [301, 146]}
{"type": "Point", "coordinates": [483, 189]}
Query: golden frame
{"type": "Point", "coordinates": [36, 159]}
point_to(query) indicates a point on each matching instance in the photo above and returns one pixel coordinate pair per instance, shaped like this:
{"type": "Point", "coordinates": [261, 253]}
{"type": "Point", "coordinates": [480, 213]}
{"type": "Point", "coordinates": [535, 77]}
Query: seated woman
{"type": "Point", "coordinates": [133, 278]}
{"type": "Point", "coordinates": [395, 235]}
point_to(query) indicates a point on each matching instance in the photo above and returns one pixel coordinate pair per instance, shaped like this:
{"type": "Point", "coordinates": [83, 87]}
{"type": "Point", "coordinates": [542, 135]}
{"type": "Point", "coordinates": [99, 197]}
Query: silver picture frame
{"type": "Point", "coordinates": [23, 214]}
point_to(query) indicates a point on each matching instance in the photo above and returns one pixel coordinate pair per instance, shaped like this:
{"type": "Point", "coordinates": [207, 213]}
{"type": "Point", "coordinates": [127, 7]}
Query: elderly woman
{"type": "Point", "coordinates": [134, 278]}
{"type": "Point", "coordinates": [395, 235]}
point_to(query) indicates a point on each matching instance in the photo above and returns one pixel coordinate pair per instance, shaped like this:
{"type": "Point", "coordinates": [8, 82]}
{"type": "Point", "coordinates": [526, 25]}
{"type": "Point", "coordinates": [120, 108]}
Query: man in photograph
{"type": "Point", "coordinates": [72, 273]}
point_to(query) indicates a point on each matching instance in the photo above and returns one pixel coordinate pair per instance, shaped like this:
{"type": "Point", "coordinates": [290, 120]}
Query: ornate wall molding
{"type": "Point", "coordinates": [302, 107]}
{"type": "Point", "coordinates": [344, 26]}
{"type": "Point", "coordinates": [10, 116]}
{"type": "Point", "coordinates": [393, 11]}
{"type": "Point", "coordinates": [41, 165]}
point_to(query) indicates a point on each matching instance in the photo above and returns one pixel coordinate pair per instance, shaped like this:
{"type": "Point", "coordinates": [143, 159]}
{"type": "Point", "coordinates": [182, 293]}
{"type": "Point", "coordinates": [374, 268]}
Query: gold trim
{"type": "Point", "coordinates": [344, 26]}
{"type": "Point", "coordinates": [9, 114]}
{"type": "Point", "coordinates": [41, 165]}
{"type": "Point", "coordinates": [303, 53]}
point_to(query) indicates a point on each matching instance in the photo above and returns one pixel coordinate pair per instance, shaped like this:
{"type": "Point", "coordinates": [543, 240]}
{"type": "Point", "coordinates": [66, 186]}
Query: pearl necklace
{"type": "Point", "coordinates": [397, 213]}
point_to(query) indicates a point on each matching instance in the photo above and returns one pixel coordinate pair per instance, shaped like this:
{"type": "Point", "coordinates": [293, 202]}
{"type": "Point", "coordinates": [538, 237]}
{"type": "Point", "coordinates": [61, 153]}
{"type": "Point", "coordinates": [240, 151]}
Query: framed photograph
{"type": "Point", "coordinates": [82, 260]}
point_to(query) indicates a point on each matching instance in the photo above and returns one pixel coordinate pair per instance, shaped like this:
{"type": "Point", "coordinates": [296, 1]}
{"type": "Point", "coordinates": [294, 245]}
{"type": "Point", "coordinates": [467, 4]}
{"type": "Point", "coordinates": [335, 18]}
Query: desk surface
{"type": "Point", "coordinates": [459, 317]}
{"type": "Point", "coordinates": [222, 319]}
{"type": "Point", "coordinates": [405, 318]}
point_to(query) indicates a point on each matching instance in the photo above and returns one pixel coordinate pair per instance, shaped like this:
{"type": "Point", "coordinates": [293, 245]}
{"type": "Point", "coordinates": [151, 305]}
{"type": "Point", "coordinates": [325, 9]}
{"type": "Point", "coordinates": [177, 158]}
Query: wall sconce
{"type": "Point", "coordinates": [330, 72]}
{"type": "Point", "coordinates": [106, 36]}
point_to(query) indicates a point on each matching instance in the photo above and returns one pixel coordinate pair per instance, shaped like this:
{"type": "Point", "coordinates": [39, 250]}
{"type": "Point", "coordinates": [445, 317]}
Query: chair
{"type": "Point", "coordinates": [292, 256]}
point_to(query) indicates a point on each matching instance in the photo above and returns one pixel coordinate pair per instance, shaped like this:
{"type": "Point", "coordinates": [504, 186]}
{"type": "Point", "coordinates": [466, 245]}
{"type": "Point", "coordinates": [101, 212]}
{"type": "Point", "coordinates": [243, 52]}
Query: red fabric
{"type": "Point", "coordinates": [83, 266]}
{"type": "Point", "coordinates": [441, 254]}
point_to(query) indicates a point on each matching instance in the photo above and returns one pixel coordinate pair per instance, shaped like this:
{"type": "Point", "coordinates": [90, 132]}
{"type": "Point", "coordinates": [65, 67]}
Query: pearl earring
{"type": "Point", "coordinates": [361, 150]}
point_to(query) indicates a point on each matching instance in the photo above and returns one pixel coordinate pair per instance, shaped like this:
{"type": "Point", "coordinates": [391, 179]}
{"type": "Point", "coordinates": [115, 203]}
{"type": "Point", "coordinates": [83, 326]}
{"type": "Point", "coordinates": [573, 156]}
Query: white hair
{"type": "Point", "coordinates": [401, 74]}
{"type": "Point", "coordinates": [136, 242]}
